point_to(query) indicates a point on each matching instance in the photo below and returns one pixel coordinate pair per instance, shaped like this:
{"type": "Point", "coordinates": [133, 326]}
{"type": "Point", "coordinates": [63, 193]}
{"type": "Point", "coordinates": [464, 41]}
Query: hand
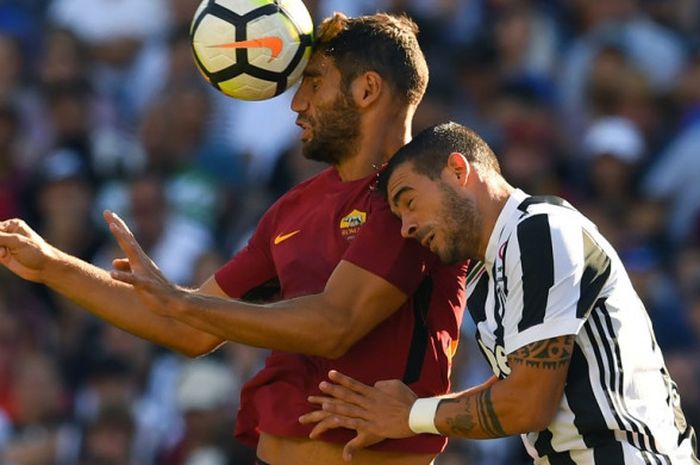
{"type": "Point", "coordinates": [374, 412]}
{"type": "Point", "coordinates": [23, 251]}
{"type": "Point", "coordinates": [137, 269]}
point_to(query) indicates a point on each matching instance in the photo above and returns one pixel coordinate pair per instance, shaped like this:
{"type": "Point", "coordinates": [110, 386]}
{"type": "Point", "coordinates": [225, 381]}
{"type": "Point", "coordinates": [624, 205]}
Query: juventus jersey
{"type": "Point", "coordinates": [548, 272]}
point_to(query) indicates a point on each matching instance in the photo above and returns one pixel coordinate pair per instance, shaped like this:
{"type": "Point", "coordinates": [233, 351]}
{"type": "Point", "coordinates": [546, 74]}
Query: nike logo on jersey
{"type": "Point", "coordinates": [272, 43]}
{"type": "Point", "coordinates": [283, 237]}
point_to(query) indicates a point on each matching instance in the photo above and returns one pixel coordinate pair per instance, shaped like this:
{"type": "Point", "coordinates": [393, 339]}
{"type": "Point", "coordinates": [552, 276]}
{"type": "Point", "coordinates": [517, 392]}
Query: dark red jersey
{"type": "Point", "coordinates": [298, 243]}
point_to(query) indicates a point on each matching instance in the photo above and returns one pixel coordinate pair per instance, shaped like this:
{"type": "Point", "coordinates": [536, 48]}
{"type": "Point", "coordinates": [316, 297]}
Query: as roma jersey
{"type": "Point", "coordinates": [296, 246]}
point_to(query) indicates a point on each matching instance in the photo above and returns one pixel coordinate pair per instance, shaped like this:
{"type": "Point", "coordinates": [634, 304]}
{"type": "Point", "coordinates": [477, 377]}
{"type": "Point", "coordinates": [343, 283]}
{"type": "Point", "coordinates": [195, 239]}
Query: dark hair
{"type": "Point", "coordinates": [430, 149]}
{"type": "Point", "coordinates": [381, 42]}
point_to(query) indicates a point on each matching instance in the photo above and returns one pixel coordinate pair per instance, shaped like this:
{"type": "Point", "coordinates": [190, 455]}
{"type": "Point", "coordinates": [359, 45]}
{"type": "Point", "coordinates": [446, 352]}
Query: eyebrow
{"type": "Point", "coordinates": [397, 196]}
{"type": "Point", "coordinates": [311, 73]}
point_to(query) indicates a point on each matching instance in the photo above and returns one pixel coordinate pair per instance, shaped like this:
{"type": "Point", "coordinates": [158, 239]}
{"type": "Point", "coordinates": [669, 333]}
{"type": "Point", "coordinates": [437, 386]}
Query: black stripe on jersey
{"type": "Point", "coordinates": [588, 418]}
{"type": "Point", "coordinates": [537, 263]}
{"type": "Point", "coordinates": [543, 446]}
{"type": "Point", "coordinates": [498, 310]}
{"type": "Point", "coordinates": [420, 337]}
{"type": "Point", "coordinates": [550, 199]}
{"type": "Point", "coordinates": [595, 274]}
{"type": "Point", "coordinates": [476, 305]}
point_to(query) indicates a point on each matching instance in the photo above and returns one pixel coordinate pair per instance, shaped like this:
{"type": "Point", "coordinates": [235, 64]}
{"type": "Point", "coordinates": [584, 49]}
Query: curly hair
{"type": "Point", "coordinates": [384, 43]}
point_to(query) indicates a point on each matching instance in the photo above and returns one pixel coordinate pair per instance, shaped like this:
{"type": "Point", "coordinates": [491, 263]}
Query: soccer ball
{"type": "Point", "coordinates": [251, 49]}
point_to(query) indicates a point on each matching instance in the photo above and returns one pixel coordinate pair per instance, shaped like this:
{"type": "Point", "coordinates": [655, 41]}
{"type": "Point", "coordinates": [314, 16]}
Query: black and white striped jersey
{"type": "Point", "coordinates": [548, 272]}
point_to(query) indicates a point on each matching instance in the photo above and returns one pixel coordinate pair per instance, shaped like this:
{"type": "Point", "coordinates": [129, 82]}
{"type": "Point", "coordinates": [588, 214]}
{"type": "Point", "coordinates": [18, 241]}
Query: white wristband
{"type": "Point", "coordinates": [421, 419]}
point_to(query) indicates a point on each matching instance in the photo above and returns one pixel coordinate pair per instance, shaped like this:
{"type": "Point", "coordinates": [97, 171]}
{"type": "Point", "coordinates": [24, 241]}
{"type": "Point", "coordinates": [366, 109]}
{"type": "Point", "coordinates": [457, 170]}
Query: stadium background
{"type": "Point", "coordinates": [100, 106]}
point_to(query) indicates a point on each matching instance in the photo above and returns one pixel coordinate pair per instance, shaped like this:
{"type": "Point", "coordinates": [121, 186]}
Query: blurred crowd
{"type": "Point", "coordinates": [101, 106]}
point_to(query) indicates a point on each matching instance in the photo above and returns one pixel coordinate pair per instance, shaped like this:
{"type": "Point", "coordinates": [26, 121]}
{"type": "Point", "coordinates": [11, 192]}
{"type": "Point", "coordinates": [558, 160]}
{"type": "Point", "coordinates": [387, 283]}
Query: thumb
{"type": "Point", "coordinates": [360, 441]}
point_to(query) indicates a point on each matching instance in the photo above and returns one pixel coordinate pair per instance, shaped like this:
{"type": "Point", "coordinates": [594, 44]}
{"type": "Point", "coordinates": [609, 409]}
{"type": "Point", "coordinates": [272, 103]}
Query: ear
{"type": "Point", "coordinates": [366, 88]}
{"type": "Point", "coordinates": [458, 167]}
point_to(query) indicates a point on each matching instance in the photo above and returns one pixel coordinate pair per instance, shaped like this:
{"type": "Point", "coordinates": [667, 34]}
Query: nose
{"type": "Point", "coordinates": [299, 101]}
{"type": "Point", "coordinates": [408, 228]}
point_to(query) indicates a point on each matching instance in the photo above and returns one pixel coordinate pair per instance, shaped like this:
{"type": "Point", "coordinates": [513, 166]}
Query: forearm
{"type": "Point", "coordinates": [115, 302]}
{"type": "Point", "coordinates": [495, 410]}
{"type": "Point", "coordinates": [291, 325]}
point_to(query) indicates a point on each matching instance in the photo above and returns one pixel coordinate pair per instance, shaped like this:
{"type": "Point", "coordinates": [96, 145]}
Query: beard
{"type": "Point", "coordinates": [462, 227]}
{"type": "Point", "coordinates": [335, 133]}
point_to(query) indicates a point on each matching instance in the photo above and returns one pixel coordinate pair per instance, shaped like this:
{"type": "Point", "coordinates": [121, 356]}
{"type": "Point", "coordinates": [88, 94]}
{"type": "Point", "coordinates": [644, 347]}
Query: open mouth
{"type": "Point", "coordinates": [305, 129]}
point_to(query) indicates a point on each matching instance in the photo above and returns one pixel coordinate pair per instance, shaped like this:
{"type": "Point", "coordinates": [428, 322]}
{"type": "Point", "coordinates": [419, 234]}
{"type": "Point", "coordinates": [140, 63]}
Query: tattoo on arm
{"type": "Point", "coordinates": [476, 415]}
{"type": "Point", "coordinates": [549, 354]}
{"type": "Point", "coordinates": [463, 423]}
{"type": "Point", "coordinates": [487, 414]}
{"type": "Point", "coordinates": [485, 418]}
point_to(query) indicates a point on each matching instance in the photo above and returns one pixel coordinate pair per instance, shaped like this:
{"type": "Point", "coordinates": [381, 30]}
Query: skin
{"type": "Point", "coordinates": [137, 298]}
{"type": "Point", "coordinates": [525, 401]}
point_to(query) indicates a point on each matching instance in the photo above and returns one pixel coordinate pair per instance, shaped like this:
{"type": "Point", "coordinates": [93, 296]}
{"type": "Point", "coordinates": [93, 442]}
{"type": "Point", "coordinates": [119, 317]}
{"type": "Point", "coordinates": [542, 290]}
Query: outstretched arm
{"type": "Point", "coordinates": [353, 302]}
{"type": "Point", "coordinates": [26, 254]}
{"type": "Point", "coordinates": [525, 401]}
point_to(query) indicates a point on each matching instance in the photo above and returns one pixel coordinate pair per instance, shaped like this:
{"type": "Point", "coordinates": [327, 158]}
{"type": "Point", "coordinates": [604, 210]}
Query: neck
{"type": "Point", "coordinates": [494, 199]}
{"type": "Point", "coordinates": [381, 135]}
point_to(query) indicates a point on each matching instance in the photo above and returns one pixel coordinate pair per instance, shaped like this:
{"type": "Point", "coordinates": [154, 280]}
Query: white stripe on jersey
{"type": "Point", "coordinates": [548, 272]}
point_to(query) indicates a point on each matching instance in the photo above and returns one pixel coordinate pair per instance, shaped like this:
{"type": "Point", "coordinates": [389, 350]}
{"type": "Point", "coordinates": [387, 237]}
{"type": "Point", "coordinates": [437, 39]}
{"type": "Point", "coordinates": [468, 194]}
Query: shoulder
{"type": "Point", "coordinates": [303, 193]}
{"type": "Point", "coordinates": [541, 220]}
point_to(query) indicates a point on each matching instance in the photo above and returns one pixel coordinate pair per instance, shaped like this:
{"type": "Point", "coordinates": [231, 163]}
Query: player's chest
{"type": "Point", "coordinates": [313, 239]}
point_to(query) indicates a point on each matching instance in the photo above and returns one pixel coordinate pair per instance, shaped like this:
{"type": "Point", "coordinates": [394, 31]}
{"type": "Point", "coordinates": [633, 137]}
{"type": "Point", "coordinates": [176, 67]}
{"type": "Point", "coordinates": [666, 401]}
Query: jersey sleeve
{"type": "Point", "coordinates": [380, 249]}
{"type": "Point", "coordinates": [251, 267]}
{"type": "Point", "coordinates": [554, 273]}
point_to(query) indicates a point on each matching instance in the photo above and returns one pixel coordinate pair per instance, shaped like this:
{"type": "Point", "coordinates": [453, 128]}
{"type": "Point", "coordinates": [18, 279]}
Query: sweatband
{"type": "Point", "coordinates": [421, 418]}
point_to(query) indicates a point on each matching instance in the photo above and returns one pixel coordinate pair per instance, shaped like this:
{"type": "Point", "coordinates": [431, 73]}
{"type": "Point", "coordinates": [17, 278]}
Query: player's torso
{"type": "Point", "coordinates": [309, 232]}
{"type": "Point", "coordinates": [618, 390]}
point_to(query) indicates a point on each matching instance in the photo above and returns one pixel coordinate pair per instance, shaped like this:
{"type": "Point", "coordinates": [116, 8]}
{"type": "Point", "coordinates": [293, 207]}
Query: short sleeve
{"type": "Point", "coordinates": [555, 272]}
{"type": "Point", "coordinates": [380, 249]}
{"type": "Point", "coordinates": [251, 267]}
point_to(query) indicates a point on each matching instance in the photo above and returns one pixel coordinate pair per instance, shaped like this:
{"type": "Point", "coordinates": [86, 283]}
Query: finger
{"type": "Point", "coordinates": [360, 441]}
{"type": "Point", "coordinates": [15, 225]}
{"type": "Point", "coordinates": [112, 218]}
{"type": "Point", "coordinates": [127, 277]}
{"type": "Point", "coordinates": [127, 242]}
{"type": "Point", "coordinates": [12, 241]}
{"type": "Point", "coordinates": [343, 393]}
{"type": "Point", "coordinates": [121, 264]}
{"type": "Point", "coordinates": [344, 408]}
{"type": "Point", "coordinates": [335, 421]}
{"type": "Point", "coordinates": [318, 399]}
{"type": "Point", "coordinates": [314, 417]}
{"type": "Point", "coordinates": [350, 383]}
{"type": "Point", "coordinates": [332, 404]}
{"type": "Point", "coordinates": [328, 403]}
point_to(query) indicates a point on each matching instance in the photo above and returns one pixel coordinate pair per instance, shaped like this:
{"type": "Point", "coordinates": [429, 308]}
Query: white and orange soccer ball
{"type": "Point", "coordinates": [252, 49]}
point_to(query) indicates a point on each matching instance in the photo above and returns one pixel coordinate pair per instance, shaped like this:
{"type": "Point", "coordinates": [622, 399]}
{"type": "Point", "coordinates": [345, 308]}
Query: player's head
{"type": "Point", "coordinates": [384, 43]}
{"type": "Point", "coordinates": [380, 52]}
{"type": "Point", "coordinates": [431, 184]}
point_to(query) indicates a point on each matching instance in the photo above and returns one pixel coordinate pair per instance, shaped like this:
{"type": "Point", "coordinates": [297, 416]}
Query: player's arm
{"type": "Point", "coordinates": [525, 401]}
{"type": "Point", "coordinates": [26, 254]}
{"type": "Point", "coordinates": [352, 303]}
